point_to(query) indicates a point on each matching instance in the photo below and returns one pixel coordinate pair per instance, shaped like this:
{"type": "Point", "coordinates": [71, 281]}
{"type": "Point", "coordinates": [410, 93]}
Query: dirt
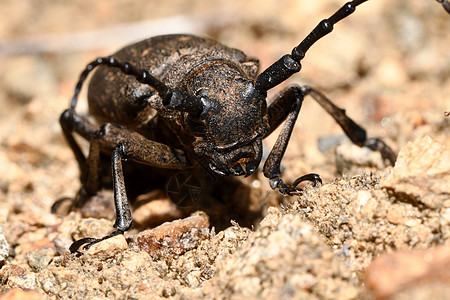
{"type": "Point", "coordinates": [370, 231]}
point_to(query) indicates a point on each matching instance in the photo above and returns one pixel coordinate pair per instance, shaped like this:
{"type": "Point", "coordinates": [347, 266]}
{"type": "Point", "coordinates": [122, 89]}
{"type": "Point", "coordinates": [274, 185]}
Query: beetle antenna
{"type": "Point", "coordinates": [171, 98]}
{"type": "Point", "coordinates": [445, 4]}
{"type": "Point", "coordinates": [289, 64]}
{"type": "Point", "coordinates": [141, 75]}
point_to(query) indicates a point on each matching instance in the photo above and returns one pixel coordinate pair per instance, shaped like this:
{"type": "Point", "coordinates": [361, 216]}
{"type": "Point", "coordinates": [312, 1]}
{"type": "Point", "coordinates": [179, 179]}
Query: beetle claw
{"type": "Point", "coordinates": [313, 177]}
{"type": "Point", "coordinates": [77, 244]}
{"type": "Point", "coordinates": [91, 241]}
{"type": "Point", "coordinates": [291, 190]}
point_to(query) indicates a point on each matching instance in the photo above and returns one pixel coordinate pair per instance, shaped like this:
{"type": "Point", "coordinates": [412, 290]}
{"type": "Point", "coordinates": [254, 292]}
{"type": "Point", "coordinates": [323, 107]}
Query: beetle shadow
{"type": "Point", "coordinates": [223, 198]}
{"type": "Point", "coordinates": [236, 199]}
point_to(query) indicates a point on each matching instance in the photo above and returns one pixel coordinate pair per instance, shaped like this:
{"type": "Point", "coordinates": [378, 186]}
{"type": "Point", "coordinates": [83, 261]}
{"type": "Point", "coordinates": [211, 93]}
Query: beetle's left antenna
{"type": "Point", "coordinates": [171, 98]}
{"type": "Point", "coordinates": [445, 4]}
{"type": "Point", "coordinates": [141, 75]}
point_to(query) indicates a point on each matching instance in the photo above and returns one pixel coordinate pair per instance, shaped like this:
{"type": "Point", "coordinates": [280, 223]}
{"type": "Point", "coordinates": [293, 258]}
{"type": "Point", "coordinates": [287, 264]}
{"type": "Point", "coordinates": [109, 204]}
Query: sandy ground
{"type": "Point", "coordinates": [370, 231]}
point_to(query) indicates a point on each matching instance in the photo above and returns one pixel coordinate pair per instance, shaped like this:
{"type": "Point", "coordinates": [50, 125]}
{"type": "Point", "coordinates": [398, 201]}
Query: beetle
{"type": "Point", "coordinates": [182, 101]}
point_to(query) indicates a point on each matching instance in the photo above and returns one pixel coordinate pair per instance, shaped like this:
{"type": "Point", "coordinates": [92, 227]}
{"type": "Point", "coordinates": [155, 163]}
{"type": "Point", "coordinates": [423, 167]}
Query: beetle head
{"type": "Point", "coordinates": [233, 121]}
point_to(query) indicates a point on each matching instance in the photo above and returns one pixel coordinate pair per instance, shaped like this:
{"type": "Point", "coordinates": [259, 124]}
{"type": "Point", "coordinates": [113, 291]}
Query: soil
{"type": "Point", "coordinates": [370, 231]}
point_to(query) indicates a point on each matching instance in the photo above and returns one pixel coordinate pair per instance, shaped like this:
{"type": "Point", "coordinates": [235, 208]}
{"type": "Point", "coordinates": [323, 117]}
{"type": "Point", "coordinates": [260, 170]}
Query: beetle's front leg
{"type": "Point", "coordinates": [123, 212]}
{"type": "Point", "coordinates": [127, 144]}
{"type": "Point", "coordinates": [287, 106]}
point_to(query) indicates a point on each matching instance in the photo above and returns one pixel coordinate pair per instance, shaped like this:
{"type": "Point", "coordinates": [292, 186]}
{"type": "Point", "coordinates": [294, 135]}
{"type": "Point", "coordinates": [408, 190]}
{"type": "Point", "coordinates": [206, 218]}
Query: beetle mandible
{"type": "Point", "coordinates": [179, 101]}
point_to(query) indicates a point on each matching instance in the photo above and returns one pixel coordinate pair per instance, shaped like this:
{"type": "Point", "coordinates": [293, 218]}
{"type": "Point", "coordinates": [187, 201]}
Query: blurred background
{"type": "Point", "coordinates": [388, 64]}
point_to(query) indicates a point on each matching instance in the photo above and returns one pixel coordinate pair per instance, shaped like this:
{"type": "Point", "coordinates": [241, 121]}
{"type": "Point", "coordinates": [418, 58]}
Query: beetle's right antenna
{"type": "Point", "coordinates": [171, 98]}
{"type": "Point", "coordinates": [445, 4]}
{"type": "Point", "coordinates": [289, 64]}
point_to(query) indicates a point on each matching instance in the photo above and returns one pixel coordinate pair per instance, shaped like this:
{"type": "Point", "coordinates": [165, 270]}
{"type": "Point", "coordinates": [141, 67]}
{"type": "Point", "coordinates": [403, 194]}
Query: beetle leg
{"type": "Point", "coordinates": [89, 167]}
{"type": "Point", "coordinates": [72, 122]}
{"type": "Point", "coordinates": [125, 144]}
{"type": "Point", "coordinates": [91, 177]}
{"type": "Point", "coordinates": [354, 132]}
{"type": "Point", "coordinates": [287, 107]}
{"type": "Point", "coordinates": [130, 145]}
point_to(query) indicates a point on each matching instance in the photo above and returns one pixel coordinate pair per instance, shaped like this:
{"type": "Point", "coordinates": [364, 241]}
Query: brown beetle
{"type": "Point", "coordinates": [180, 101]}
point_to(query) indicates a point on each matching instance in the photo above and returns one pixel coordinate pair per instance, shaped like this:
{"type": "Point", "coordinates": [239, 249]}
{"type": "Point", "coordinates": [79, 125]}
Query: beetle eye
{"type": "Point", "coordinates": [202, 92]}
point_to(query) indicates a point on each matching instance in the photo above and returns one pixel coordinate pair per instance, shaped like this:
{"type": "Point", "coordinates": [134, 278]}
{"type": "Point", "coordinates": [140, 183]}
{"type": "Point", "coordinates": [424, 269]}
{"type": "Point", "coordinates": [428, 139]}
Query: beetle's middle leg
{"type": "Point", "coordinates": [89, 168]}
{"type": "Point", "coordinates": [287, 107]}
